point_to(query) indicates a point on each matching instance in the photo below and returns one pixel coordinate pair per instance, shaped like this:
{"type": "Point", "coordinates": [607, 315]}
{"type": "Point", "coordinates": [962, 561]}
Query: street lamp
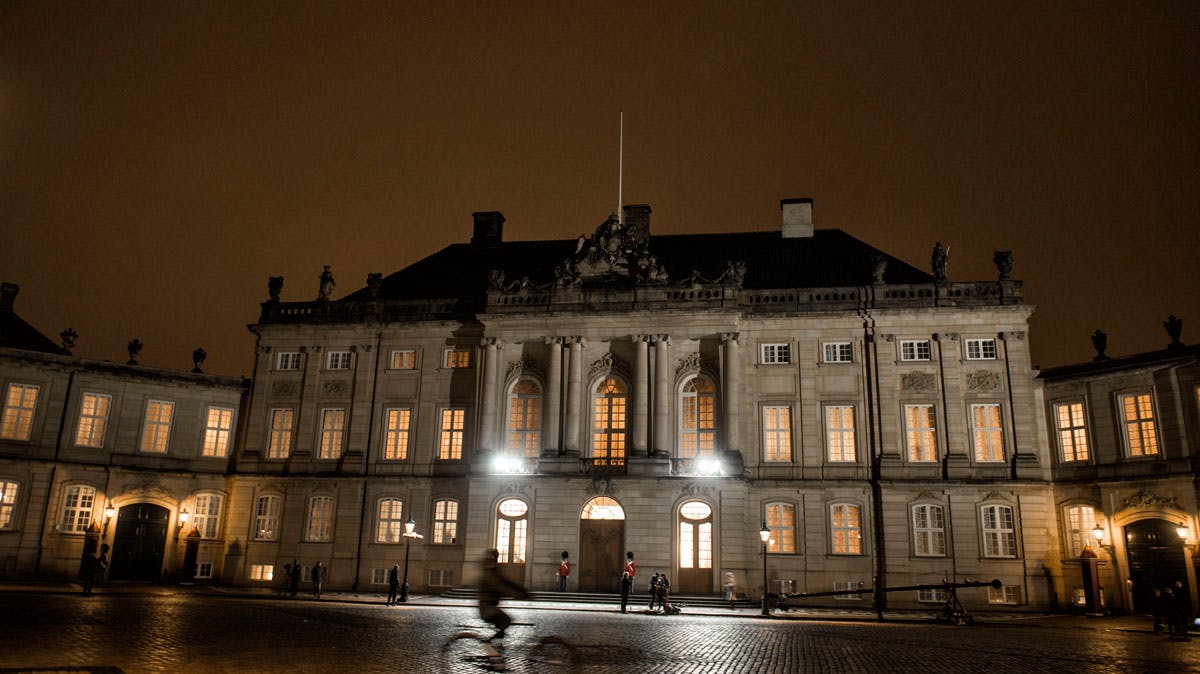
{"type": "Point", "coordinates": [409, 534]}
{"type": "Point", "coordinates": [181, 522]}
{"type": "Point", "coordinates": [1182, 532]}
{"type": "Point", "coordinates": [764, 534]}
{"type": "Point", "coordinates": [109, 511]}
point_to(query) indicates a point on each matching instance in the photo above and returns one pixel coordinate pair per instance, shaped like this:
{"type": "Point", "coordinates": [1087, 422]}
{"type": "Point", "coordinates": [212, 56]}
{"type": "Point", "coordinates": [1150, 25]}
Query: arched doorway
{"type": "Point", "coordinates": [601, 538]}
{"type": "Point", "coordinates": [138, 542]}
{"type": "Point", "coordinates": [512, 533]}
{"type": "Point", "coordinates": [1156, 560]}
{"type": "Point", "coordinates": [695, 548]}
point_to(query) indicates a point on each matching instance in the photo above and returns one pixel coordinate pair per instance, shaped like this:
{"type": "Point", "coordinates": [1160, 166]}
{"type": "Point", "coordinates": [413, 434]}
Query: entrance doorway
{"type": "Point", "coordinates": [695, 548]}
{"type": "Point", "coordinates": [512, 530]}
{"type": "Point", "coordinates": [139, 542]}
{"type": "Point", "coordinates": [601, 538]}
{"type": "Point", "coordinates": [1156, 560]}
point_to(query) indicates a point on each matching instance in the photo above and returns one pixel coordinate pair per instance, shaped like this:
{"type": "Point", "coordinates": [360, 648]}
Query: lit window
{"type": "Point", "coordinates": [395, 441]}
{"type": "Point", "coordinates": [320, 519]}
{"type": "Point", "coordinates": [445, 522]}
{"type": "Point", "coordinates": [391, 521]}
{"type": "Point", "coordinates": [837, 352]}
{"type": "Point", "coordinates": [914, 349]}
{"type": "Point", "coordinates": [204, 570]}
{"type": "Point", "coordinates": [608, 422]}
{"type": "Point", "coordinates": [781, 520]}
{"type": "Point", "coordinates": [777, 433]}
{"type": "Point", "coordinates": [337, 360]}
{"type": "Point", "coordinates": [8, 503]}
{"type": "Point", "coordinates": [697, 418]}
{"type": "Point", "coordinates": [512, 526]}
{"type": "Point", "coordinates": [456, 358]}
{"type": "Point", "coordinates": [78, 502]}
{"type": "Point", "coordinates": [1072, 431]}
{"type": "Point", "coordinates": [218, 427]}
{"type": "Point", "coordinates": [207, 516]}
{"type": "Point", "coordinates": [695, 535]}
{"type": "Point", "coordinates": [774, 354]}
{"type": "Point", "coordinates": [929, 531]}
{"type": "Point", "coordinates": [19, 404]}
{"type": "Point", "coordinates": [93, 419]}
{"type": "Point", "coordinates": [333, 429]}
{"type": "Point", "coordinates": [1007, 594]}
{"type": "Point", "coordinates": [403, 359]}
{"type": "Point", "coordinates": [602, 508]}
{"type": "Point", "coordinates": [986, 432]}
{"type": "Point", "coordinates": [441, 577]}
{"type": "Point", "coordinates": [262, 572]}
{"type": "Point", "coordinates": [1140, 435]}
{"type": "Point", "coordinates": [981, 349]}
{"type": "Point", "coordinates": [450, 437]}
{"type": "Point", "coordinates": [846, 529]}
{"type": "Point", "coordinates": [931, 596]}
{"type": "Point", "coordinates": [287, 360]}
{"type": "Point", "coordinates": [157, 428]}
{"type": "Point", "coordinates": [839, 433]}
{"type": "Point", "coordinates": [920, 429]}
{"type": "Point", "coordinates": [1081, 521]}
{"type": "Point", "coordinates": [999, 531]}
{"type": "Point", "coordinates": [266, 518]}
{"type": "Point", "coordinates": [525, 418]}
{"type": "Point", "coordinates": [280, 443]}
{"type": "Point", "coordinates": [848, 588]}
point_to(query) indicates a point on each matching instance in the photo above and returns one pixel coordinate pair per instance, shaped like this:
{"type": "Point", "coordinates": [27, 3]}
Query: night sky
{"type": "Point", "coordinates": [159, 160]}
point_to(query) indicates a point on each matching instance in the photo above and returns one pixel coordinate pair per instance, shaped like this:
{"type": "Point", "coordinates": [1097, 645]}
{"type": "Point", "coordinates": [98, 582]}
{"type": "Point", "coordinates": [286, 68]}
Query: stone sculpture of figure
{"type": "Point", "coordinates": [734, 274]}
{"type": "Point", "coordinates": [496, 279]}
{"type": "Point", "coordinates": [198, 358]}
{"type": "Point", "coordinates": [941, 255]}
{"type": "Point", "coordinates": [68, 338]}
{"type": "Point", "coordinates": [1003, 260]}
{"type": "Point", "coordinates": [878, 268]}
{"type": "Point", "coordinates": [327, 284]}
{"type": "Point", "coordinates": [135, 348]}
{"type": "Point", "coordinates": [274, 287]}
{"type": "Point", "coordinates": [374, 283]}
{"type": "Point", "coordinates": [565, 274]}
{"type": "Point", "coordinates": [1100, 343]}
{"type": "Point", "coordinates": [1174, 328]}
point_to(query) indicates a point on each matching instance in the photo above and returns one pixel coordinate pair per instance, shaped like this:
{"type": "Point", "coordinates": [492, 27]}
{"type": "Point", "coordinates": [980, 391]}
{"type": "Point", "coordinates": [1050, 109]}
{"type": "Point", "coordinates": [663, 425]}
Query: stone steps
{"type": "Point", "coordinates": [708, 601]}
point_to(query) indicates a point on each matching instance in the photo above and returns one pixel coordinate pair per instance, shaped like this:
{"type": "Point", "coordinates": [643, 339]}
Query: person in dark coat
{"type": "Point", "coordinates": [102, 565]}
{"type": "Point", "coordinates": [492, 586]}
{"type": "Point", "coordinates": [663, 593]}
{"type": "Point", "coordinates": [87, 572]}
{"type": "Point", "coordinates": [318, 577]}
{"type": "Point", "coordinates": [1181, 612]}
{"type": "Point", "coordinates": [393, 583]}
{"type": "Point", "coordinates": [653, 589]}
{"type": "Point", "coordinates": [297, 572]}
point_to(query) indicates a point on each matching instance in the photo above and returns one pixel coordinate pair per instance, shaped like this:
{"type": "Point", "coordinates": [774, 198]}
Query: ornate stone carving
{"type": "Point", "coordinates": [939, 260]}
{"type": "Point", "coordinates": [135, 349]}
{"type": "Point", "coordinates": [1003, 260]}
{"type": "Point", "coordinates": [727, 337]}
{"type": "Point", "coordinates": [606, 364]}
{"type": "Point", "coordinates": [1174, 328]}
{"type": "Point", "coordinates": [983, 381]}
{"type": "Point", "coordinates": [879, 265]}
{"type": "Point", "coordinates": [68, 338]}
{"type": "Point", "coordinates": [515, 488]}
{"type": "Point", "coordinates": [198, 357]}
{"type": "Point", "coordinates": [929, 496]}
{"type": "Point", "coordinates": [614, 252]}
{"type": "Point", "coordinates": [335, 389]}
{"type": "Point", "coordinates": [274, 287]}
{"type": "Point", "coordinates": [601, 486]}
{"type": "Point", "coordinates": [918, 381]}
{"type": "Point", "coordinates": [374, 283]}
{"type": "Point", "coordinates": [1146, 499]}
{"type": "Point", "coordinates": [734, 274]}
{"type": "Point", "coordinates": [285, 389]}
{"type": "Point", "coordinates": [325, 289]}
{"type": "Point", "coordinates": [524, 366]}
{"type": "Point", "coordinates": [689, 364]}
{"type": "Point", "coordinates": [695, 489]}
{"type": "Point", "coordinates": [1100, 343]}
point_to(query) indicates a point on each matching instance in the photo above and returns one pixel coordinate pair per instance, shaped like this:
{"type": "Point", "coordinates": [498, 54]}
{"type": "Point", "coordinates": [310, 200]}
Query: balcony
{"type": "Point", "coordinates": [602, 467]}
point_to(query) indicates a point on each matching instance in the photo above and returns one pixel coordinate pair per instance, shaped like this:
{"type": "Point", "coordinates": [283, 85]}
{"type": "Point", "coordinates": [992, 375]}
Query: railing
{"type": "Point", "coordinates": [705, 466]}
{"type": "Point", "coordinates": [322, 311]}
{"type": "Point", "coordinates": [599, 467]}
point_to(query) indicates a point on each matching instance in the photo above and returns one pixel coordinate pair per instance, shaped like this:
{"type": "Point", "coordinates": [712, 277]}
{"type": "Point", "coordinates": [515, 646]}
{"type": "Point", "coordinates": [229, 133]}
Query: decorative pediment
{"type": "Point", "coordinates": [1147, 499]}
{"type": "Point", "coordinates": [515, 489]}
{"type": "Point", "coordinates": [606, 365]}
{"type": "Point", "coordinates": [918, 381]}
{"type": "Point", "coordinates": [524, 366]}
{"type": "Point", "coordinates": [691, 364]}
{"type": "Point", "coordinates": [285, 389]}
{"type": "Point", "coordinates": [601, 486]}
{"type": "Point", "coordinates": [983, 381]}
{"type": "Point", "coordinates": [695, 489]}
{"type": "Point", "coordinates": [614, 252]}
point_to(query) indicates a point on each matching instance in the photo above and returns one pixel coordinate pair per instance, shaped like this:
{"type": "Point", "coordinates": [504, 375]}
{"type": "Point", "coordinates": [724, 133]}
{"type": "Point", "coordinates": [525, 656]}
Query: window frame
{"type": "Point", "coordinates": [261, 518]}
{"type": "Point", "coordinates": [1078, 531]}
{"type": "Point", "coordinates": [511, 528]}
{"type": "Point", "coordinates": [922, 431]}
{"type": "Point", "coordinates": [982, 344]}
{"type": "Point", "coordinates": [1125, 422]}
{"type": "Point", "coordinates": [344, 360]}
{"type": "Point", "coordinates": [295, 361]}
{"type": "Point", "coordinates": [775, 353]}
{"type": "Point", "coordinates": [311, 518]}
{"type": "Point", "coordinates": [449, 363]}
{"type": "Point", "coordinates": [392, 358]}
{"type": "Point", "coordinates": [698, 433]}
{"type": "Point", "coordinates": [615, 431]}
{"type": "Point", "coordinates": [442, 523]}
{"type": "Point", "coordinates": [147, 423]}
{"type": "Point", "coordinates": [529, 434]}
{"type": "Point", "coordinates": [97, 420]}
{"type": "Point", "coordinates": [398, 438]}
{"type": "Point", "coordinates": [211, 520]}
{"type": "Point", "coordinates": [389, 529]}
{"type": "Point", "coordinates": [778, 532]}
{"type": "Point", "coordinates": [331, 440]}
{"type": "Point", "coordinates": [767, 432]}
{"type": "Point", "coordinates": [994, 433]}
{"type": "Point", "coordinates": [224, 451]}
{"type": "Point", "coordinates": [837, 352]}
{"type": "Point", "coordinates": [1073, 430]}
{"type": "Point", "coordinates": [79, 524]}
{"type": "Point", "coordinates": [10, 489]}
{"type": "Point", "coordinates": [20, 413]}
{"type": "Point", "coordinates": [289, 433]}
{"type": "Point", "coordinates": [444, 452]}
{"type": "Point", "coordinates": [999, 534]}
{"type": "Point", "coordinates": [851, 433]}
{"type": "Point", "coordinates": [916, 345]}
{"type": "Point", "coordinates": [929, 532]}
{"type": "Point", "coordinates": [853, 533]}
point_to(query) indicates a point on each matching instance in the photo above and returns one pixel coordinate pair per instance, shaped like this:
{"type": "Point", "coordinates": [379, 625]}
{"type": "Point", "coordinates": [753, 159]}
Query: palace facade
{"type": "Point", "coordinates": [665, 395]}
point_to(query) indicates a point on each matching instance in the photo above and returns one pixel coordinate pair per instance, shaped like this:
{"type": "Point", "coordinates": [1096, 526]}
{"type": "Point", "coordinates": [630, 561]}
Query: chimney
{"type": "Point", "coordinates": [8, 295]}
{"type": "Point", "coordinates": [797, 218]}
{"type": "Point", "coordinates": [489, 228]}
{"type": "Point", "coordinates": [637, 221]}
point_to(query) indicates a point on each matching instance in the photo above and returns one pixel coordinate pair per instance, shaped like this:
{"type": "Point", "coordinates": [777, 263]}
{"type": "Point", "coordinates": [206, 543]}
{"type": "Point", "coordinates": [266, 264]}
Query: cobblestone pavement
{"type": "Point", "coordinates": [172, 632]}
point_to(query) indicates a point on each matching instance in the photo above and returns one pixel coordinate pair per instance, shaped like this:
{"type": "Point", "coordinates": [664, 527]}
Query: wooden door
{"type": "Point", "coordinates": [695, 549]}
{"type": "Point", "coordinates": [600, 564]}
{"type": "Point", "coordinates": [1156, 560]}
{"type": "Point", "coordinates": [139, 542]}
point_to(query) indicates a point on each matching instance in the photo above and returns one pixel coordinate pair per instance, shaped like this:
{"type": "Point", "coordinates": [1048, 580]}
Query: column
{"type": "Point", "coordinates": [662, 394]}
{"type": "Point", "coordinates": [731, 381]}
{"type": "Point", "coordinates": [487, 416]}
{"type": "Point", "coordinates": [553, 396]}
{"type": "Point", "coordinates": [574, 394]}
{"type": "Point", "coordinates": [641, 391]}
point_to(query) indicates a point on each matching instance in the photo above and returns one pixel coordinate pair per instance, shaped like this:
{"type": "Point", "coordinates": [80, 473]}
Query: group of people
{"type": "Point", "coordinates": [660, 592]}
{"type": "Point", "coordinates": [94, 569]}
{"type": "Point", "coordinates": [293, 573]}
{"type": "Point", "coordinates": [1173, 607]}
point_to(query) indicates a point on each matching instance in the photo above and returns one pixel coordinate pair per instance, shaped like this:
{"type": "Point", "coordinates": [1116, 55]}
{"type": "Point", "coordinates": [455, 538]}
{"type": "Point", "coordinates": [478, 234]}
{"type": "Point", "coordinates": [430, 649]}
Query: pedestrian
{"type": "Point", "coordinates": [102, 564]}
{"type": "Point", "coordinates": [729, 585]}
{"type": "Point", "coordinates": [628, 574]}
{"type": "Point", "coordinates": [1181, 616]}
{"type": "Point", "coordinates": [653, 589]}
{"type": "Point", "coordinates": [1160, 610]}
{"type": "Point", "coordinates": [393, 584]}
{"type": "Point", "coordinates": [286, 586]}
{"type": "Point", "coordinates": [664, 594]}
{"type": "Point", "coordinates": [87, 572]}
{"type": "Point", "coordinates": [564, 570]}
{"type": "Point", "coordinates": [295, 578]}
{"type": "Point", "coordinates": [318, 577]}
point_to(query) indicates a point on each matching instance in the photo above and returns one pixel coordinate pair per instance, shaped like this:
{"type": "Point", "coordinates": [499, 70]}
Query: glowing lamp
{"type": "Point", "coordinates": [764, 534]}
{"type": "Point", "coordinates": [1098, 534]}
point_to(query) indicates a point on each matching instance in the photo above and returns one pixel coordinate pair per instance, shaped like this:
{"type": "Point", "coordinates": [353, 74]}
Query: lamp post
{"type": "Point", "coordinates": [109, 511]}
{"type": "Point", "coordinates": [181, 522]}
{"type": "Point", "coordinates": [409, 534]}
{"type": "Point", "coordinates": [765, 535]}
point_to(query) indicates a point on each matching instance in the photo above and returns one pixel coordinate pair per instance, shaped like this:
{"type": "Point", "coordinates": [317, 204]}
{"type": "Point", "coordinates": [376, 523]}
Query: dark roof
{"type": "Point", "coordinates": [15, 333]}
{"type": "Point", "coordinates": [1096, 367]}
{"type": "Point", "coordinates": [830, 258]}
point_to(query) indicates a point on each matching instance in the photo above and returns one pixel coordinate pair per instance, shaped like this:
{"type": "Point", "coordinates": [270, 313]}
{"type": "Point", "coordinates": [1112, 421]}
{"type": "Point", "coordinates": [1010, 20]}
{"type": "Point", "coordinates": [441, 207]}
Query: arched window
{"type": "Point", "coordinates": [1081, 520]}
{"type": "Point", "coordinates": [608, 422]}
{"type": "Point", "coordinates": [320, 519]}
{"type": "Point", "coordinates": [391, 521]}
{"type": "Point", "coordinates": [929, 530]}
{"type": "Point", "coordinates": [266, 518]}
{"type": "Point", "coordinates": [846, 528]}
{"type": "Point", "coordinates": [697, 418]}
{"type": "Point", "coordinates": [602, 508]}
{"type": "Point", "coordinates": [512, 528]}
{"type": "Point", "coordinates": [999, 531]}
{"type": "Point", "coordinates": [525, 418]}
{"type": "Point", "coordinates": [695, 535]}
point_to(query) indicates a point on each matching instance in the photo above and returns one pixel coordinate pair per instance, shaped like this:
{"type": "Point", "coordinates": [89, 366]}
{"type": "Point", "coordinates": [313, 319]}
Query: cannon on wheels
{"type": "Point", "coordinates": [952, 610]}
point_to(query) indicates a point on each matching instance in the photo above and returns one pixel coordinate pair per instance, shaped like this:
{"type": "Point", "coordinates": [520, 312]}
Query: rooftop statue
{"type": "Point", "coordinates": [1004, 263]}
{"type": "Point", "coordinates": [374, 284]}
{"type": "Point", "coordinates": [135, 348]}
{"type": "Point", "coordinates": [879, 265]}
{"type": "Point", "coordinates": [198, 358]}
{"type": "Point", "coordinates": [274, 287]}
{"type": "Point", "coordinates": [68, 338]}
{"type": "Point", "coordinates": [327, 284]}
{"type": "Point", "coordinates": [940, 257]}
{"type": "Point", "coordinates": [613, 252]}
{"type": "Point", "coordinates": [1100, 343]}
{"type": "Point", "coordinates": [1174, 326]}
